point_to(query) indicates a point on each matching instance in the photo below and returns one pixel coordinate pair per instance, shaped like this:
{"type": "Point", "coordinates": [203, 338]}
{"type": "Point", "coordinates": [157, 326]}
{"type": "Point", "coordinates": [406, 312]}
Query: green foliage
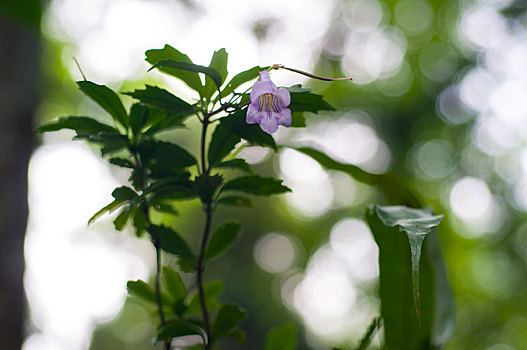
{"type": "Point", "coordinates": [399, 254]}
{"type": "Point", "coordinates": [179, 328]}
{"type": "Point", "coordinates": [256, 185]}
{"type": "Point", "coordinates": [206, 186]}
{"type": "Point", "coordinates": [219, 64]}
{"type": "Point", "coordinates": [191, 67]}
{"type": "Point", "coordinates": [228, 318]}
{"type": "Point", "coordinates": [236, 124]}
{"type": "Point", "coordinates": [191, 78]}
{"type": "Point", "coordinates": [222, 239]}
{"type": "Point", "coordinates": [282, 338]}
{"type": "Point", "coordinates": [327, 162]}
{"type": "Point", "coordinates": [171, 242]}
{"type": "Point", "coordinates": [107, 99]}
{"type": "Point", "coordinates": [164, 159]}
{"type": "Point", "coordinates": [174, 284]}
{"type": "Point", "coordinates": [303, 100]}
{"type": "Point", "coordinates": [238, 163]}
{"type": "Point", "coordinates": [142, 290]}
{"type": "Point", "coordinates": [159, 98]}
{"type": "Point", "coordinates": [222, 143]}
{"type": "Point", "coordinates": [212, 291]}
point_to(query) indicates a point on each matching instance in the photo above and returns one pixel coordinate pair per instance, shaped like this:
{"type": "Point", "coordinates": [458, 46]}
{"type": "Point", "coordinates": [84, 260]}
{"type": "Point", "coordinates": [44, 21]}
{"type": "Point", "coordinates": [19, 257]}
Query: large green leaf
{"type": "Point", "coordinates": [228, 318]}
{"type": "Point", "coordinates": [174, 284]}
{"type": "Point", "coordinates": [138, 117]}
{"type": "Point", "coordinates": [222, 143]}
{"type": "Point", "coordinates": [171, 241]}
{"type": "Point", "coordinates": [222, 239]}
{"type": "Point", "coordinates": [219, 64]}
{"type": "Point", "coordinates": [303, 100]}
{"type": "Point", "coordinates": [83, 126]}
{"type": "Point", "coordinates": [142, 290]}
{"type": "Point", "coordinates": [206, 186]}
{"type": "Point", "coordinates": [124, 193]}
{"type": "Point", "coordinates": [159, 98]}
{"type": "Point", "coordinates": [107, 99]}
{"type": "Point", "coordinates": [190, 67]}
{"type": "Point", "coordinates": [190, 78]}
{"type": "Point", "coordinates": [241, 78]}
{"type": "Point", "coordinates": [236, 123]}
{"type": "Point", "coordinates": [282, 338]}
{"type": "Point", "coordinates": [412, 290]}
{"type": "Point", "coordinates": [164, 158]}
{"type": "Point", "coordinates": [260, 186]}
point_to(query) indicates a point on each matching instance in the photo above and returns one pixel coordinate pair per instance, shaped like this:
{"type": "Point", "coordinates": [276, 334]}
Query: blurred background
{"type": "Point", "coordinates": [438, 100]}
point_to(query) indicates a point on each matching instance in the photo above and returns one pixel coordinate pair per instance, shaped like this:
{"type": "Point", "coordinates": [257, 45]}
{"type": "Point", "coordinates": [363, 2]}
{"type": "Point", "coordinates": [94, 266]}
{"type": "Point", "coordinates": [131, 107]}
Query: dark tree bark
{"type": "Point", "coordinates": [19, 65]}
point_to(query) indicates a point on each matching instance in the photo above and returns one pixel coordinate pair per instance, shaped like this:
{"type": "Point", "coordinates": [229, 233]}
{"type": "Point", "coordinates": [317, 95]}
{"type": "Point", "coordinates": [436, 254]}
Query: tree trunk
{"type": "Point", "coordinates": [19, 66]}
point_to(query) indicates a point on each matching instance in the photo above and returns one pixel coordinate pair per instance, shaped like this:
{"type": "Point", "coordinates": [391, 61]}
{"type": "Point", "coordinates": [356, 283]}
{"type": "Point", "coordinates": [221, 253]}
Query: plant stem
{"type": "Point", "coordinates": [155, 239]}
{"type": "Point", "coordinates": [200, 268]}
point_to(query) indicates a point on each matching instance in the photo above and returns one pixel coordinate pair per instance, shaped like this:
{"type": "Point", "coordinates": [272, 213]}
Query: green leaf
{"type": "Point", "coordinates": [236, 201]}
{"type": "Point", "coordinates": [331, 164]}
{"type": "Point", "coordinates": [83, 126]}
{"type": "Point", "coordinates": [142, 290]}
{"type": "Point", "coordinates": [299, 120]}
{"type": "Point", "coordinates": [164, 159]}
{"type": "Point", "coordinates": [411, 290]}
{"type": "Point", "coordinates": [138, 117]}
{"type": "Point", "coordinates": [160, 120]}
{"type": "Point", "coordinates": [172, 242]}
{"type": "Point", "coordinates": [174, 283]}
{"type": "Point", "coordinates": [107, 99]}
{"type": "Point", "coordinates": [219, 64]}
{"type": "Point", "coordinates": [236, 123]}
{"type": "Point", "coordinates": [302, 100]}
{"type": "Point", "coordinates": [206, 186]}
{"type": "Point", "coordinates": [222, 239]}
{"type": "Point", "coordinates": [282, 338]}
{"type": "Point", "coordinates": [107, 209]}
{"type": "Point", "coordinates": [156, 97]}
{"type": "Point", "coordinates": [110, 143]}
{"type": "Point", "coordinates": [212, 291]}
{"type": "Point", "coordinates": [241, 78]}
{"type": "Point", "coordinates": [222, 143]}
{"type": "Point", "coordinates": [122, 162]}
{"type": "Point", "coordinates": [190, 78]}
{"type": "Point", "coordinates": [165, 208]}
{"type": "Point", "coordinates": [237, 163]}
{"type": "Point", "coordinates": [190, 67]}
{"type": "Point", "coordinates": [139, 222]}
{"type": "Point", "coordinates": [228, 318]}
{"type": "Point", "coordinates": [124, 193]}
{"type": "Point", "coordinates": [172, 188]}
{"type": "Point", "coordinates": [260, 186]}
{"type": "Point", "coordinates": [121, 219]}
{"type": "Point", "coordinates": [179, 328]}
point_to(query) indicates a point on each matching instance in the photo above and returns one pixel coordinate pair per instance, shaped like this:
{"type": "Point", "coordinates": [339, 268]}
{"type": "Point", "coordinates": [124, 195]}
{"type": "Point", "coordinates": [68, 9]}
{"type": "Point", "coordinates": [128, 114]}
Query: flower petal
{"type": "Point", "coordinates": [253, 116]}
{"type": "Point", "coordinates": [285, 117]}
{"type": "Point", "coordinates": [262, 87]}
{"type": "Point", "coordinates": [284, 96]}
{"type": "Point", "coordinates": [269, 124]}
{"type": "Point", "coordinates": [264, 75]}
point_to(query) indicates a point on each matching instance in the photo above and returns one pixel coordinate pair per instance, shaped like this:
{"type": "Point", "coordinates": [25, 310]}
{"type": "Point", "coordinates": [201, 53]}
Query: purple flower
{"type": "Point", "coordinates": [268, 105]}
